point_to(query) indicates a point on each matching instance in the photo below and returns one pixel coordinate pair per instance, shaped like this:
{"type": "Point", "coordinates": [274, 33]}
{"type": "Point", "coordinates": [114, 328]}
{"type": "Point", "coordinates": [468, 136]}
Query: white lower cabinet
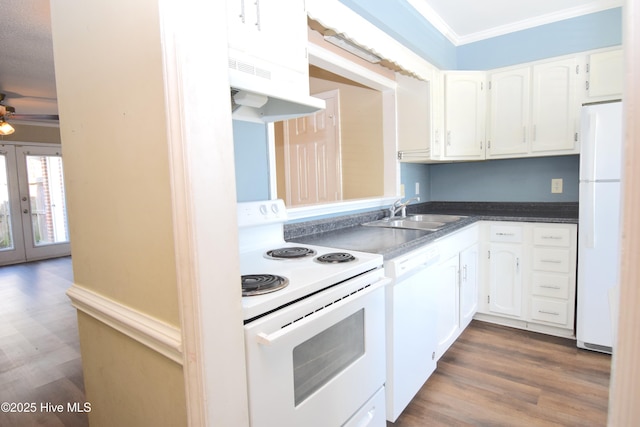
{"type": "Point", "coordinates": [456, 286]}
{"type": "Point", "coordinates": [447, 296]}
{"type": "Point", "coordinates": [432, 298]}
{"type": "Point", "coordinates": [504, 256]}
{"type": "Point", "coordinates": [468, 285]}
{"type": "Point", "coordinates": [529, 276]}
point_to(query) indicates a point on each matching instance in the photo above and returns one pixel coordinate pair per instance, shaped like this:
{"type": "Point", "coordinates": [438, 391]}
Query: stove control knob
{"type": "Point", "coordinates": [263, 209]}
{"type": "Point", "coordinates": [274, 208]}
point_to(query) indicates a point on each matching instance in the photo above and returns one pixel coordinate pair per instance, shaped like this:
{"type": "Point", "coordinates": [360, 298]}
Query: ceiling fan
{"type": "Point", "coordinates": [8, 112]}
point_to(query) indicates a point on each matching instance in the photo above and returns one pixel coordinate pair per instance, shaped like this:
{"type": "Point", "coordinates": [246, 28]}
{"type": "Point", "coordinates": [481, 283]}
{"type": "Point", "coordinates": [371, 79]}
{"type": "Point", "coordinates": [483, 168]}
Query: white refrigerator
{"type": "Point", "coordinates": [599, 226]}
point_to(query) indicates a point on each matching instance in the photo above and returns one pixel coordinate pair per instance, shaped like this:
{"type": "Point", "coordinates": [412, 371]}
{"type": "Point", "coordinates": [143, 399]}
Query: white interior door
{"type": "Point", "coordinates": [312, 155]}
{"type": "Point", "coordinates": [33, 218]}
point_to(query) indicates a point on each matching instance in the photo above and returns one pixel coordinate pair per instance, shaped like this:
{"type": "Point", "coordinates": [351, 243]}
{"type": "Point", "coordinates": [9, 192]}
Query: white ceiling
{"type": "Point", "coordinates": [26, 57]}
{"type": "Point", "coordinates": [26, 61]}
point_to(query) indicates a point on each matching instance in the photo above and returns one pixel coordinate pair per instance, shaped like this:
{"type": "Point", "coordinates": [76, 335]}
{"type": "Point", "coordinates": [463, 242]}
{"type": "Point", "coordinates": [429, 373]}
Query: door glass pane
{"type": "Point", "coordinates": [47, 200]}
{"type": "Point", "coordinates": [319, 359]}
{"type": "Point", "coordinates": [6, 235]}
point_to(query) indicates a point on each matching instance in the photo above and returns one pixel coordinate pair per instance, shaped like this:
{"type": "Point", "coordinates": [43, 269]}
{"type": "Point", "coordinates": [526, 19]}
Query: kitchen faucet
{"type": "Point", "coordinates": [398, 205]}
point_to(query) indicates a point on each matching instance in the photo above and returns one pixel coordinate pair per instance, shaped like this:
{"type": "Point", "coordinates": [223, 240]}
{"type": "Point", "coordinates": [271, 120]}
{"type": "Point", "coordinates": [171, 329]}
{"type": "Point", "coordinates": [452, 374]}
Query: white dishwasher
{"type": "Point", "coordinates": [411, 326]}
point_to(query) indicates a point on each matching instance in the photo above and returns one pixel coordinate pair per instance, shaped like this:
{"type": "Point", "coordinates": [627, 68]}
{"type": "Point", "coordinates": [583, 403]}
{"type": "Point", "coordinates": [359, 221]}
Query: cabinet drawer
{"type": "Point", "coordinates": [550, 285]}
{"type": "Point", "coordinates": [549, 311]}
{"type": "Point", "coordinates": [544, 236]}
{"type": "Point", "coordinates": [506, 233]}
{"type": "Point", "coordinates": [556, 260]}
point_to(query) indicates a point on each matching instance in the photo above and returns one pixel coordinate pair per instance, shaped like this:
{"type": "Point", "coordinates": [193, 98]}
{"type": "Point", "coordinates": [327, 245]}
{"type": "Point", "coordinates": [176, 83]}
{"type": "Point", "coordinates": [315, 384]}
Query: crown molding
{"type": "Point", "coordinates": [441, 25]}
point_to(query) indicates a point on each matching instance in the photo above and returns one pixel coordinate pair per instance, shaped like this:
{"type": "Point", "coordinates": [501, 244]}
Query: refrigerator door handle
{"type": "Point", "coordinates": [588, 214]}
{"type": "Point", "coordinates": [591, 147]}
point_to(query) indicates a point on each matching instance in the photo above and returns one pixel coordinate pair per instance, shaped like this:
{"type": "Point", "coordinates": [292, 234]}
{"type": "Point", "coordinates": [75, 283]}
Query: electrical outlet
{"type": "Point", "coordinates": [556, 185]}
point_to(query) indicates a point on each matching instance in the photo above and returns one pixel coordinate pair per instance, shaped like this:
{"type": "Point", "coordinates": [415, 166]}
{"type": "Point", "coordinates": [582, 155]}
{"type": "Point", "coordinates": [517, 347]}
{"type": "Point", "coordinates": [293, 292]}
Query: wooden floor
{"type": "Point", "coordinates": [498, 376]}
{"type": "Point", "coordinates": [491, 376]}
{"type": "Point", "coordinates": [39, 350]}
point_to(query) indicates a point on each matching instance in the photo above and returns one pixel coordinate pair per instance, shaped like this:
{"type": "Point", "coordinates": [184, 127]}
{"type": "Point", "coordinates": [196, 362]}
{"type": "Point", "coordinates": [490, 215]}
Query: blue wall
{"type": "Point", "coordinates": [251, 161]}
{"type": "Point", "coordinates": [508, 180]}
{"type": "Point", "coordinates": [411, 173]}
{"type": "Point", "coordinates": [399, 20]}
{"type": "Point", "coordinates": [403, 23]}
{"type": "Point", "coordinates": [594, 31]}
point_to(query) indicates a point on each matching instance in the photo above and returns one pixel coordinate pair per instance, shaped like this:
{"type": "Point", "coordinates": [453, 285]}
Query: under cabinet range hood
{"type": "Point", "coordinates": [267, 90]}
{"type": "Point", "coordinates": [257, 107]}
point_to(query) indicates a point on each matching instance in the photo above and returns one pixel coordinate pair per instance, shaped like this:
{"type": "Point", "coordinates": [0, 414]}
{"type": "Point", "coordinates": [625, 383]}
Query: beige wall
{"type": "Point", "coordinates": [111, 102]}
{"type": "Point", "coordinates": [130, 385]}
{"type": "Point", "coordinates": [360, 135]}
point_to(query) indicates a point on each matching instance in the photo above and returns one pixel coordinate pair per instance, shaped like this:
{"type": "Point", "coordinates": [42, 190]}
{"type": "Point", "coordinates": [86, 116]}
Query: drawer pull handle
{"type": "Point", "coordinates": [551, 261]}
{"type": "Point", "coordinates": [505, 234]}
{"type": "Point", "coordinates": [550, 286]}
{"type": "Point", "coordinates": [552, 237]}
{"type": "Point", "coordinates": [553, 313]}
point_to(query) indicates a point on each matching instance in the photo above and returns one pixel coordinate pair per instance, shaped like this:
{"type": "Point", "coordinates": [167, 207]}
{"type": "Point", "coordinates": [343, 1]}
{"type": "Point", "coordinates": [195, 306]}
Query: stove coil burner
{"type": "Point", "coordinates": [290, 253]}
{"type": "Point", "coordinates": [258, 284]}
{"type": "Point", "coordinates": [335, 258]}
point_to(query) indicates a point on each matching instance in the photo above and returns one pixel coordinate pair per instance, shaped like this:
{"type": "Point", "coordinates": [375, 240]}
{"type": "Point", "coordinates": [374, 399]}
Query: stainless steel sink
{"type": "Point", "coordinates": [429, 222]}
{"type": "Point", "coordinates": [433, 218]}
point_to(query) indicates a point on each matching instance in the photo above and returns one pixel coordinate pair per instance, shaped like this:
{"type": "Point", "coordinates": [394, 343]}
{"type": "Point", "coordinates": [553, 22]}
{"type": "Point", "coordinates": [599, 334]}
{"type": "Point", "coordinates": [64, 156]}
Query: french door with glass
{"type": "Point", "coordinates": [33, 216]}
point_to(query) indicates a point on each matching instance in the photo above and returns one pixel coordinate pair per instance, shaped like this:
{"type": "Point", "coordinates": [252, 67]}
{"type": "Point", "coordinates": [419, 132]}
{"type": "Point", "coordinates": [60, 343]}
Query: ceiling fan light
{"type": "Point", "coordinates": [6, 128]}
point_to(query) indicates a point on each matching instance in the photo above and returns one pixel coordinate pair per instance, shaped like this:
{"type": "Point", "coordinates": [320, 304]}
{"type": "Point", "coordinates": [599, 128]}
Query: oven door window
{"type": "Point", "coordinates": [322, 357]}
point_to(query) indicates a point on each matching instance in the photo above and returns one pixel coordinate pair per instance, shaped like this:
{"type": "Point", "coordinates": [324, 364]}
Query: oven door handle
{"type": "Point", "coordinates": [272, 338]}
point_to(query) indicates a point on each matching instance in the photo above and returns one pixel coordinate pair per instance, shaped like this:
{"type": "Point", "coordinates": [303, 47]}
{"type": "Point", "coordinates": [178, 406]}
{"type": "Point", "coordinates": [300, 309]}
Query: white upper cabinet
{"type": "Point", "coordinates": [263, 51]}
{"type": "Point", "coordinates": [534, 110]}
{"type": "Point", "coordinates": [555, 107]}
{"type": "Point", "coordinates": [413, 118]}
{"type": "Point", "coordinates": [604, 75]}
{"type": "Point", "coordinates": [464, 115]}
{"type": "Point", "coordinates": [508, 128]}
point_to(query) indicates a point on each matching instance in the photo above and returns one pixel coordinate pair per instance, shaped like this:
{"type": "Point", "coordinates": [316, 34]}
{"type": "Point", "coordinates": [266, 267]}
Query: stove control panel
{"type": "Point", "coordinates": [262, 212]}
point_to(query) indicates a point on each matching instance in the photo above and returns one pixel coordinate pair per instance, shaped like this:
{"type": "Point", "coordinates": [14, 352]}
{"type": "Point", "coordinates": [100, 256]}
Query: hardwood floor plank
{"type": "Point", "coordinates": [499, 376]}
{"type": "Point", "coordinates": [40, 352]}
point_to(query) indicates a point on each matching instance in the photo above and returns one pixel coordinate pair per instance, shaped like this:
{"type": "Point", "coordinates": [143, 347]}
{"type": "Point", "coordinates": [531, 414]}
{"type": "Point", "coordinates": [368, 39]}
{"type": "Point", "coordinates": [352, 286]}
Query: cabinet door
{"type": "Point", "coordinates": [437, 115]}
{"type": "Point", "coordinates": [447, 292]}
{"type": "Point", "coordinates": [605, 75]}
{"type": "Point", "coordinates": [412, 100]}
{"type": "Point", "coordinates": [505, 279]}
{"type": "Point", "coordinates": [241, 28]}
{"type": "Point", "coordinates": [508, 131]}
{"type": "Point", "coordinates": [255, 28]}
{"type": "Point", "coordinates": [555, 106]}
{"type": "Point", "coordinates": [282, 44]}
{"type": "Point", "coordinates": [464, 115]}
{"type": "Point", "coordinates": [468, 285]}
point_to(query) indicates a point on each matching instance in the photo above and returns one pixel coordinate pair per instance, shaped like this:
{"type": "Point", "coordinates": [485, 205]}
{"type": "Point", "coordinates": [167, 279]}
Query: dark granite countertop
{"type": "Point", "coordinates": [347, 233]}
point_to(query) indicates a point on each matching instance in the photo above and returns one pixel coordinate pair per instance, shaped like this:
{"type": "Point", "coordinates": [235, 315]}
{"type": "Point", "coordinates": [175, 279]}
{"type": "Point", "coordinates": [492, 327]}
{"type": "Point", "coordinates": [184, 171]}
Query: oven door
{"type": "Point", "coordinates": [318, 361]}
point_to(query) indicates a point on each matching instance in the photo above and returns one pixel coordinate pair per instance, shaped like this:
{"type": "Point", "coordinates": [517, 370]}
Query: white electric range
{"type": "Point", "coordinates": [278, 272]}
{"type": "Point", "coordinates": [314, 321]}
